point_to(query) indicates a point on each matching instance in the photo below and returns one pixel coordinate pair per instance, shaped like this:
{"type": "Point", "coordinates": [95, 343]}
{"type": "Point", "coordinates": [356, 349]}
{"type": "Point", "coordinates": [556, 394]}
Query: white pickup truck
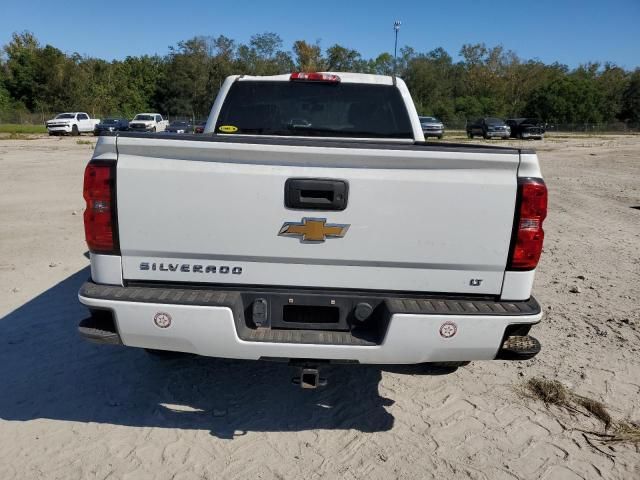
{"type": "Point", "coordinates": [312, 223]}
{"type": "Point", "coordinates": [148, 122]}
{"type": "Point", "coordinates": [72, 123]}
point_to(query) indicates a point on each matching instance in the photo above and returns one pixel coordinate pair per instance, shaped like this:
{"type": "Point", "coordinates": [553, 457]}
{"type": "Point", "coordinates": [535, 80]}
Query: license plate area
{"type": "Point", "coordinates": [310, 312]}
{"type": "Point", "coordinates": [310, 315]}
{"type": "Point", "coordinates": [305, 311]}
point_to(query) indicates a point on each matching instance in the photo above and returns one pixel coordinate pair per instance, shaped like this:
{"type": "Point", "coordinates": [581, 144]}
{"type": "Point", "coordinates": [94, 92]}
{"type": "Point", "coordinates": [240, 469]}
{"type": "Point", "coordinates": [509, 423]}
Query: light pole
{"type": "Point", "coordinates": [396, 27]}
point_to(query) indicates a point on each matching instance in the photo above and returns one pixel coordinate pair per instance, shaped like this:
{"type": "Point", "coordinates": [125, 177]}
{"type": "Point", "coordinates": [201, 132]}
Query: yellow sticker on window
{"type": "Point", "coordinates": [228, 128]}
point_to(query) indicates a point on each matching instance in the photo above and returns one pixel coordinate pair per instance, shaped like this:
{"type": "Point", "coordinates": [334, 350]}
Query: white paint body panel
{"type": "Point", "coordinates": [420, 220]}
{"type": "Point", "coordinates": [106, 269]}
{"type": "Point", "coordinates": [210, 331]}
{"type": "Point", "coordinates": [517, 285]}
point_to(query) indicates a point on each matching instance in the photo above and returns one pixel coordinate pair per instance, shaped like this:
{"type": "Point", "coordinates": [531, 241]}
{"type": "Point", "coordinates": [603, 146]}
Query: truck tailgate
{"type": "Point", "coordinates": [419, 218]}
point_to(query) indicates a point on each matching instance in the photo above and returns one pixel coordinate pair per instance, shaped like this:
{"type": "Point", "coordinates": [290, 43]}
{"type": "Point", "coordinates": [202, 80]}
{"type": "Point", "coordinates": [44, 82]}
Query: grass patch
{"type": "Point", "coordinates": [626, 432]}
{"type": "Point", "coordinates": [17, 136]}
{"type": "Point", "coordinates": [84, 142]}
{"type": "Point", "coordinates": [15, 128]}
{"type": "Point", "coordinates": [552, 392]}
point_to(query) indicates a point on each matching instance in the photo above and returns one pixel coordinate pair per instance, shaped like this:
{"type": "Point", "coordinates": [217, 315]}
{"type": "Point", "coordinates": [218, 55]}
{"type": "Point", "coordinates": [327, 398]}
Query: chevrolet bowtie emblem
{"type": "Point", "coordinates": [313, 230]}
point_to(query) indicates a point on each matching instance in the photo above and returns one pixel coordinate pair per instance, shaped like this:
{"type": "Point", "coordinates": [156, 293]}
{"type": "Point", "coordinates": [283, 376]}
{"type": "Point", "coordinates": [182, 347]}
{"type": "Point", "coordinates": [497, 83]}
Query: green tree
{"type": "Point", "coordinates": [631, 99]}
{"type": "Point", "coordinates": [264, 56]}
{"type": "Point", "coordinates": [341, 59]}
{"type": "Point", "coordinates": [486, 81]}
{"type": "Point", "coordinates": [22, 68]}
{"type": "Point", "coordinates": [308, 57]}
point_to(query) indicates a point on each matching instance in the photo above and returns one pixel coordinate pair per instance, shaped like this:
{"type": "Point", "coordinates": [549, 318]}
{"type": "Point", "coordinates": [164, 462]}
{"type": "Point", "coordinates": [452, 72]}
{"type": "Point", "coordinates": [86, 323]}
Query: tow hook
{"type": "Point", "coordinates": [308, 377]}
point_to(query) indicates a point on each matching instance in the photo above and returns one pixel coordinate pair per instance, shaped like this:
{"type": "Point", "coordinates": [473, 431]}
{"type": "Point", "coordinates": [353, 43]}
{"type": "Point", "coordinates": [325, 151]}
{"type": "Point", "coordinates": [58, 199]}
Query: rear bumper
{"type": "Point", "coordinates": [212, 323]}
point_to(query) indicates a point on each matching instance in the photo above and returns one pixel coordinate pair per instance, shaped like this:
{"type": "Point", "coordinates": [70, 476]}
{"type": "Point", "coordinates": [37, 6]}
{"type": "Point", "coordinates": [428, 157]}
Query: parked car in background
{"type": "Point", "coordinates": [71, 123]}
{"type": "Point", "coordinates": [180, 126]}
{"type": "Point", "coordinates": [526, 128]}
{"type": "Point", "coordinates": [148, 122]}
{"type": "Point", "coordinates": [488, 127]}
{"type": "Point", "coordinates": [432, 127]}
{"type": "Point", "coordinates": [200, 126]}
{"type": "Point", "coordinates": [112, 125]}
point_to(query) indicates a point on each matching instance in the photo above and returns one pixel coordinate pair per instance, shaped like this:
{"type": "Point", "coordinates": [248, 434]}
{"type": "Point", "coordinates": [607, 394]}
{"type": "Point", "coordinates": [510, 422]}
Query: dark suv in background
{"type": "Point", "coordinates": [488, 127]}
{"type": "Point", "coordinates": [111, 125]}
{"type": "Point", "coordinates": [526, 128]}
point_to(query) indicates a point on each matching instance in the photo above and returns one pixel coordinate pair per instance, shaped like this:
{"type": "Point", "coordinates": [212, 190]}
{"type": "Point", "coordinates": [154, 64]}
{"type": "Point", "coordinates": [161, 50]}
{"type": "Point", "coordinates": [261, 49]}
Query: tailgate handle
{"type": "Point", "coordinates": [316, 194]}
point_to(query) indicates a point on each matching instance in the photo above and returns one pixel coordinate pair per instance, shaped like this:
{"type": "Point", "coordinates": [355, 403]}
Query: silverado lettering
{"type": "Point", "coordinates": [186, 268]}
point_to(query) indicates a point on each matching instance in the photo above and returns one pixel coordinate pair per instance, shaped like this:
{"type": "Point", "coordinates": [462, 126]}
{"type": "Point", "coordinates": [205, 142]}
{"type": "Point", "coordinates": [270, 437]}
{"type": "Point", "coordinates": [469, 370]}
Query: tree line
{"type": "Point", "coordinates": [37, 80]}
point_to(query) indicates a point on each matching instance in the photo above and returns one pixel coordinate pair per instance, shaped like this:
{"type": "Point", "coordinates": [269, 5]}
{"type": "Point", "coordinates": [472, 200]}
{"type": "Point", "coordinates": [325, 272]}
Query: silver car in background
{"type": "Point", "coordinates": [432, 127]}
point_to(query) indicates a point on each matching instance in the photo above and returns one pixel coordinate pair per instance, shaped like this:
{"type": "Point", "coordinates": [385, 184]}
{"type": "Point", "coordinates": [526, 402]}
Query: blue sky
{"type": "Point", "coordinates": [567, 31]}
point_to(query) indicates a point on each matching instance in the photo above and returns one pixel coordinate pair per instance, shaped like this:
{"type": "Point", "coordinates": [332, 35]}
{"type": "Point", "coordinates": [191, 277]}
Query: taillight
{"type": "Point", "coordinates": [528, 235]}
{"type": "Point", "coordinates": [99, 216]}
{"type": "Point", "coordinates": [315, 77]}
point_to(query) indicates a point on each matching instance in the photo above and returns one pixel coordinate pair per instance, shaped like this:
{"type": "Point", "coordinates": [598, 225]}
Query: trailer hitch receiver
{"type": "Point", "coordinates": [309, 378]}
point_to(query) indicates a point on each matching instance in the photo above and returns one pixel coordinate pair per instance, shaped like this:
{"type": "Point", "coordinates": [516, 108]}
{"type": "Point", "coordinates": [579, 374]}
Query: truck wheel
{"type": "Point", "coordinates": [74, 131]}
{"type": "Point", "coordinates": [440, 137]}
{"type": "Point", "coordinates": [470, 135]}
{"type": "Point", "coordinates": [153, 130]}
{"type": "Point", "coordinates": [51, 134]}
{"type": "Point", "coordinates": [486, 137]}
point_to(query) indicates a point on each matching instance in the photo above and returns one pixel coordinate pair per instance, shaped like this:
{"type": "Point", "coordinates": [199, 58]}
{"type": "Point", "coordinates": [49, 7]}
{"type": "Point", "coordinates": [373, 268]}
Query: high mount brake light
{"type": "Point", "coordinates": [315, 77]}
{"type": "Point", "coordinates": [528, 235]}
{"type": "Point", "coordinates": [99, 216]}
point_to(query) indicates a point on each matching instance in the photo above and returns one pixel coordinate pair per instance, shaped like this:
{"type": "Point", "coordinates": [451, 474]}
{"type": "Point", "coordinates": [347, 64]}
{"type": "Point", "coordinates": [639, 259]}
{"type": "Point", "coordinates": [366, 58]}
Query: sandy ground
{"type": "Point", "coordinates": [73, 410]}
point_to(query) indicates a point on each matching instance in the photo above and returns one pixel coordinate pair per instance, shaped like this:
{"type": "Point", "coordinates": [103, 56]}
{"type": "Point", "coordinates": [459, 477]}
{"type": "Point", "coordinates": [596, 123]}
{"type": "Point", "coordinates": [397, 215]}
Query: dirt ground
{"type": "Point", "coordinates": [73, 410]}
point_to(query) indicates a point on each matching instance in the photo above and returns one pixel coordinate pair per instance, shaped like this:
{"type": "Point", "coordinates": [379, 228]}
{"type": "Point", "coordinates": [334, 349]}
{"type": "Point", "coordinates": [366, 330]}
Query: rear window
{"type": "Point", "coordinates": [314, 109]}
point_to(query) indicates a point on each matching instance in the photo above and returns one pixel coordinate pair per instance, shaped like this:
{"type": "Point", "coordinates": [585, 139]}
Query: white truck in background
{"type": "Point", "coordinates": [312, 223]}
{"type": "Point", "coordinates": [148, 122]}
{"type": "Point", "coordinates": [71, 123]}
